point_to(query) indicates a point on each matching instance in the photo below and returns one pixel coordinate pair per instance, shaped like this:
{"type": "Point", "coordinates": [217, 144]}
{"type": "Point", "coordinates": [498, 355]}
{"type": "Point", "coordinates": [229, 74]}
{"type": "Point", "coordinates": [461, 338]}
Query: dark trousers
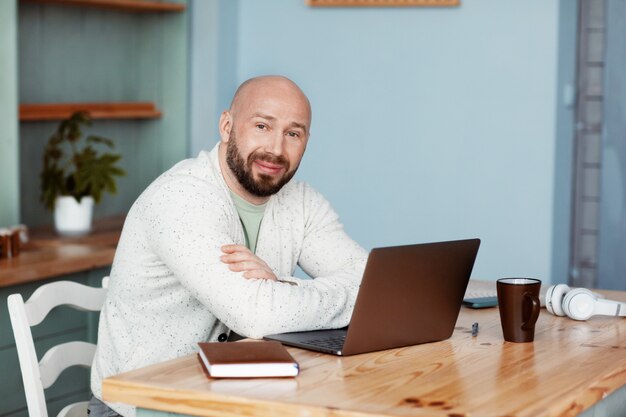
{"type": "Point", "coordinates": [97, 408]}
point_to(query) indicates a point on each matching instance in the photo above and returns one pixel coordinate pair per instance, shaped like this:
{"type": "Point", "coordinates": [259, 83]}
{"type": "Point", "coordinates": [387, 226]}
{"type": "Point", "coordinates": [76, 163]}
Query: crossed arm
{"type": "Point", "coordinates": [188, 235]}
{"type": "Point", "coordinates": [240, 259]}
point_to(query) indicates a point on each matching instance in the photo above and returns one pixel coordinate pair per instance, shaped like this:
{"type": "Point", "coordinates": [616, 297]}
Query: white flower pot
{"type": "Point", "coordinates": [72, 218]}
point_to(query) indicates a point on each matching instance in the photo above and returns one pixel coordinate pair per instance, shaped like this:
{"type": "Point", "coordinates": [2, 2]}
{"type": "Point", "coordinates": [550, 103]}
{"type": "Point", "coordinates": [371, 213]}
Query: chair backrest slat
{"type": "Point", "coordinates": [61, 357]}
{"type": "Point", "coordinates": [72, 294]}
{"type": "Point", "coordinates": [38, 375]}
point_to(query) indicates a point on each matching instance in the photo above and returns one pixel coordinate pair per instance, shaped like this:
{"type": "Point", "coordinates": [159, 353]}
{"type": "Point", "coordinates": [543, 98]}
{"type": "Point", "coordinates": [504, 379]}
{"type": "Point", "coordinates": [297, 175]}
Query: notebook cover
{"type": "Point", "coordinates": [247, 359]}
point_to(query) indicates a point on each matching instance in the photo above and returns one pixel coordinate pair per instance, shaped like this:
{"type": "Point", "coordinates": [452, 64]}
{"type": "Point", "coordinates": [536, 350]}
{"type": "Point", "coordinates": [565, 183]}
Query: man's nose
{"type": "Point", "coordinates": [275, 144]}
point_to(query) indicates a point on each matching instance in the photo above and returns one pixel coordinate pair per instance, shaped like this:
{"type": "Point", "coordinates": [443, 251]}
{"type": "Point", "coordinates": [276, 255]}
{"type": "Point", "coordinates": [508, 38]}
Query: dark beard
{"type": "Point", "coordinates": [265, 186]}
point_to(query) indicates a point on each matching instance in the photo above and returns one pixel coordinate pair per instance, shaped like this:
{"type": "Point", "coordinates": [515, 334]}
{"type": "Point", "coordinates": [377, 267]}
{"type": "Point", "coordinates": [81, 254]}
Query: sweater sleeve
{"type": "Point", "coordinates": [186, 222]}
{"type": "Point", "coordinates": [329, 255]}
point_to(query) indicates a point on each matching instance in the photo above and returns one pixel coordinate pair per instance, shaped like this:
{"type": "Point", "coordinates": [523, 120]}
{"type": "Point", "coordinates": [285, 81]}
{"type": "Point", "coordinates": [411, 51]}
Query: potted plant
{"type": "Point", "coordinates": [75, 174]}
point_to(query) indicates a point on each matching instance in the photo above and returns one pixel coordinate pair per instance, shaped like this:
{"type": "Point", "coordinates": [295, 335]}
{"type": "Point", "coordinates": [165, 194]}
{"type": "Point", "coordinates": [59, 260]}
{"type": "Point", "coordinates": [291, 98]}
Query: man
{"type": "Point", "coordinates": [212, 244]}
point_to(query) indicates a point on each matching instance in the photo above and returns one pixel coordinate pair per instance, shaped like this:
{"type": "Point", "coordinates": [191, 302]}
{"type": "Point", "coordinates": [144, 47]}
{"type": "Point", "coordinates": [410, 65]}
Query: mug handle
{"type": "Point", "coordinates": [534, 314]}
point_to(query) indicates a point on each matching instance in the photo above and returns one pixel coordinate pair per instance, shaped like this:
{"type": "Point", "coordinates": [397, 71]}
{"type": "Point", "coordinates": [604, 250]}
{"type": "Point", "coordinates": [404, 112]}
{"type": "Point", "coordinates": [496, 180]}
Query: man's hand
{"type": "Point", "coordinates": [240, 259]}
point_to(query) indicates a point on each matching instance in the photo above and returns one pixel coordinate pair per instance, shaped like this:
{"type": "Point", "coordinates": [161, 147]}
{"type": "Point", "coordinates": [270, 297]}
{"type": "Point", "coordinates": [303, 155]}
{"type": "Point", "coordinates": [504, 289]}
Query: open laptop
{"type": "Point", "coordinates": [409, 295]}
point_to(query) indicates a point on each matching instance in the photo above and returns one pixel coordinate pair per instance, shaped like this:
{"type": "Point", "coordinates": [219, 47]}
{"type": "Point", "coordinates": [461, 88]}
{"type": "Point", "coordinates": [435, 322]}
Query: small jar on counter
{"type": "Point", "coordinates": [12, 239]}
{"type": "Point", "coordinates": [5, 243]}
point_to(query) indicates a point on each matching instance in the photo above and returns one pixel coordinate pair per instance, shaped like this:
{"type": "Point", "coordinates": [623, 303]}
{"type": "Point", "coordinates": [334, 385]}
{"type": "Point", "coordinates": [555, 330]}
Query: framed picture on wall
{"type": "Point", "coordinates": [383, 3]}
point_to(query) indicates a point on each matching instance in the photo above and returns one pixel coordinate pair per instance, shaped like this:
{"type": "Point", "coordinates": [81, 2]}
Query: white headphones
{"type": "Point", "coordinates": [580, 303]}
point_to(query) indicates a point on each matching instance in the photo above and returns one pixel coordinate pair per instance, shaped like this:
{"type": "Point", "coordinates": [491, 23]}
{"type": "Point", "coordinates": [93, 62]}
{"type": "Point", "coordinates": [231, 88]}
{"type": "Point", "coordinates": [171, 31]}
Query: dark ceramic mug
{"type": "Point", "coordinates": [518, 301]}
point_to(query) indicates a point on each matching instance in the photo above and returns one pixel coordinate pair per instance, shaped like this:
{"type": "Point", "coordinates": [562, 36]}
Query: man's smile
{"type": "Point", "coordinates": [269, 167]}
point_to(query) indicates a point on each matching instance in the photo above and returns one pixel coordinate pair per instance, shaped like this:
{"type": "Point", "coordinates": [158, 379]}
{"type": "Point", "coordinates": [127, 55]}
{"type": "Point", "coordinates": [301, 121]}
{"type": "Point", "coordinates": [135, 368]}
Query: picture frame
{"type": "Point", "coordinates": [383, 3]}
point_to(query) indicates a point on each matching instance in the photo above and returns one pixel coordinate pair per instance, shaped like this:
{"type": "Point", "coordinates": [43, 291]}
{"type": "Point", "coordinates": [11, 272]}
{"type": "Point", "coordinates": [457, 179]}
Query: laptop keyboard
{"type": "Point", "coordinates": [333, 343]}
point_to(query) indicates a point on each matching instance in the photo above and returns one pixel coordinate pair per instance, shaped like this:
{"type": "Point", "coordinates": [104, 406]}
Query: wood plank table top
{"type": "Point", "coordinates": [570, 366]}
{"type": "Point", "coordinates": [48, 255]}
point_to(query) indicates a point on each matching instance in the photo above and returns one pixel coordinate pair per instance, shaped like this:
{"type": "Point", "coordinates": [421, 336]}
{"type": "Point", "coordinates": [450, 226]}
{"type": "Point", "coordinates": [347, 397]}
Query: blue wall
{"type": "Point", "coordinates": [428, 124]}
{"type": "Point", "coordinates": [212, 67]}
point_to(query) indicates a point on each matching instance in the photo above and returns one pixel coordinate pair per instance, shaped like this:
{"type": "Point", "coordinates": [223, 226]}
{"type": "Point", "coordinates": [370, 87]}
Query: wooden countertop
{"type": "Point", "coordinates": [48, 255]}
{"type": "Point", "coordinates": [570, 366]}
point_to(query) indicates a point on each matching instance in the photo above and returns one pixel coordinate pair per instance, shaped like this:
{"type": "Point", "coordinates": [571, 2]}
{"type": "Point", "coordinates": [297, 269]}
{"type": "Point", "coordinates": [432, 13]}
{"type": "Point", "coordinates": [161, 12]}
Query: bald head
{"type": "Point", "coordinates": [264, 133]}
{"type": "Point", "coordinates": [269, 87]}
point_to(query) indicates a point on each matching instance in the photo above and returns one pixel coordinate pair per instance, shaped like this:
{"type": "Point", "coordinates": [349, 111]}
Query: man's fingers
{"type": "Point", "coordinates": [247, 266]}
{"type": "Point", "coordinates": [237, 257]}
{"type": "Point", "coordinates": [253, 270]}
{"type": "Point", "coordinates": [235, 248]}
{"type": "Point", "coordinates": [237, 253]}
{"type": "Point", "coordinates": [259, 274]}
{"type": "Point", "coordinates": [240, 259]}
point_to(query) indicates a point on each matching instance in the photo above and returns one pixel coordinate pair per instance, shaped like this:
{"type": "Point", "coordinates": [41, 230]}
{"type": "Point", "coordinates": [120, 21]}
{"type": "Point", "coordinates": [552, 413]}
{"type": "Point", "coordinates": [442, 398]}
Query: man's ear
{"type": "Point", "coordinates": [225, 125]}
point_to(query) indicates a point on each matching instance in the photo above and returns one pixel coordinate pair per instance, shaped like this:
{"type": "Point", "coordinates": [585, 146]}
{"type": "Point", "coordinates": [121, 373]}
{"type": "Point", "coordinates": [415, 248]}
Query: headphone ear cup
{"type": "Point", "coordinates": [579, 304]}
{"type": "Point", "coordinates": [554, 299]}
{"type": "Point", "coordinates": [548, 299]}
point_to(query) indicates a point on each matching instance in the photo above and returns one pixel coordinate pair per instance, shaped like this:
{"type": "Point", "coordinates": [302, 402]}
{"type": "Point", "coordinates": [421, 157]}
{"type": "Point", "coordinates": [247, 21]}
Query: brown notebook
{"type": "Point", "coordinates": [247, 360]}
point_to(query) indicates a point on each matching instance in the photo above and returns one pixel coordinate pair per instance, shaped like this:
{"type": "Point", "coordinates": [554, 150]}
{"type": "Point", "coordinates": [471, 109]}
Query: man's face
{"type": "Point", "coordinates": [269, 130]}
{"type": "Point", "coordinates": [273, 173]}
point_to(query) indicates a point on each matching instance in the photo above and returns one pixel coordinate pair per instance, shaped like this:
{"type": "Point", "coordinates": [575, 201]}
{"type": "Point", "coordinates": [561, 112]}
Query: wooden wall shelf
{"type": "Point", "coordinates": [137, 6]}
{"type": "Point", "coordinates": [60, 111]}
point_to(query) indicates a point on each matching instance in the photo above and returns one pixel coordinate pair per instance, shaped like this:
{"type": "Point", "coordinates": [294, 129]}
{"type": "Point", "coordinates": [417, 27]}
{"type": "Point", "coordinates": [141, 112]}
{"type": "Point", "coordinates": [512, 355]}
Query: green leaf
{"type": "Point", "coordinates": [98, 175]}
{"type": "Point", "coordinates": [99, 139]}
{"type": "Point", "coordinates": [117, 171]}
{"type": "Point", "coordinates": [52, 185]}
{"type": "Point", "coordinates": [56, 139]}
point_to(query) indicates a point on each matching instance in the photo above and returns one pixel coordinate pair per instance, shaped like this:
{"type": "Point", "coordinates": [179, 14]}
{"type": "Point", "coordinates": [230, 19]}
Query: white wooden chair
{"type": "Point", "coordinates": [39, 375]}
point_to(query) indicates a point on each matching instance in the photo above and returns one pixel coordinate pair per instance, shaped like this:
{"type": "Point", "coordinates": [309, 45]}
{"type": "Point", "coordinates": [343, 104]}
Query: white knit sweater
{"type": "Point", "coordinates": [169, 290]}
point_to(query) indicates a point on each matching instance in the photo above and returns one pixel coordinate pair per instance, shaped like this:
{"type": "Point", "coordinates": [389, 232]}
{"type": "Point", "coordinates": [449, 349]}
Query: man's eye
{"type": "Point", "coordinates": [261, 126]}
{"type": "Point", "coordinates": [293, 134]}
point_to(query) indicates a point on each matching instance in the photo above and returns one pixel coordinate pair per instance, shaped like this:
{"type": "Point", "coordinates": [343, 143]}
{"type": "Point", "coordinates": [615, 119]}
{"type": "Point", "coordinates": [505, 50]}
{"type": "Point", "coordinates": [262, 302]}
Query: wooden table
{"type": "Point", "coordinates": [570, 367]}
{"type": "Point", "coordinates": [49, 255]}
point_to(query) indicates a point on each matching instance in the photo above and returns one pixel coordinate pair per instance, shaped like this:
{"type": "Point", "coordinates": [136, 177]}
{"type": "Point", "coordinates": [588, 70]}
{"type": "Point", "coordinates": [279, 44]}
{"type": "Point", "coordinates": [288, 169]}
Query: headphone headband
{"type": "Point", "coordinates": [610, 308]}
